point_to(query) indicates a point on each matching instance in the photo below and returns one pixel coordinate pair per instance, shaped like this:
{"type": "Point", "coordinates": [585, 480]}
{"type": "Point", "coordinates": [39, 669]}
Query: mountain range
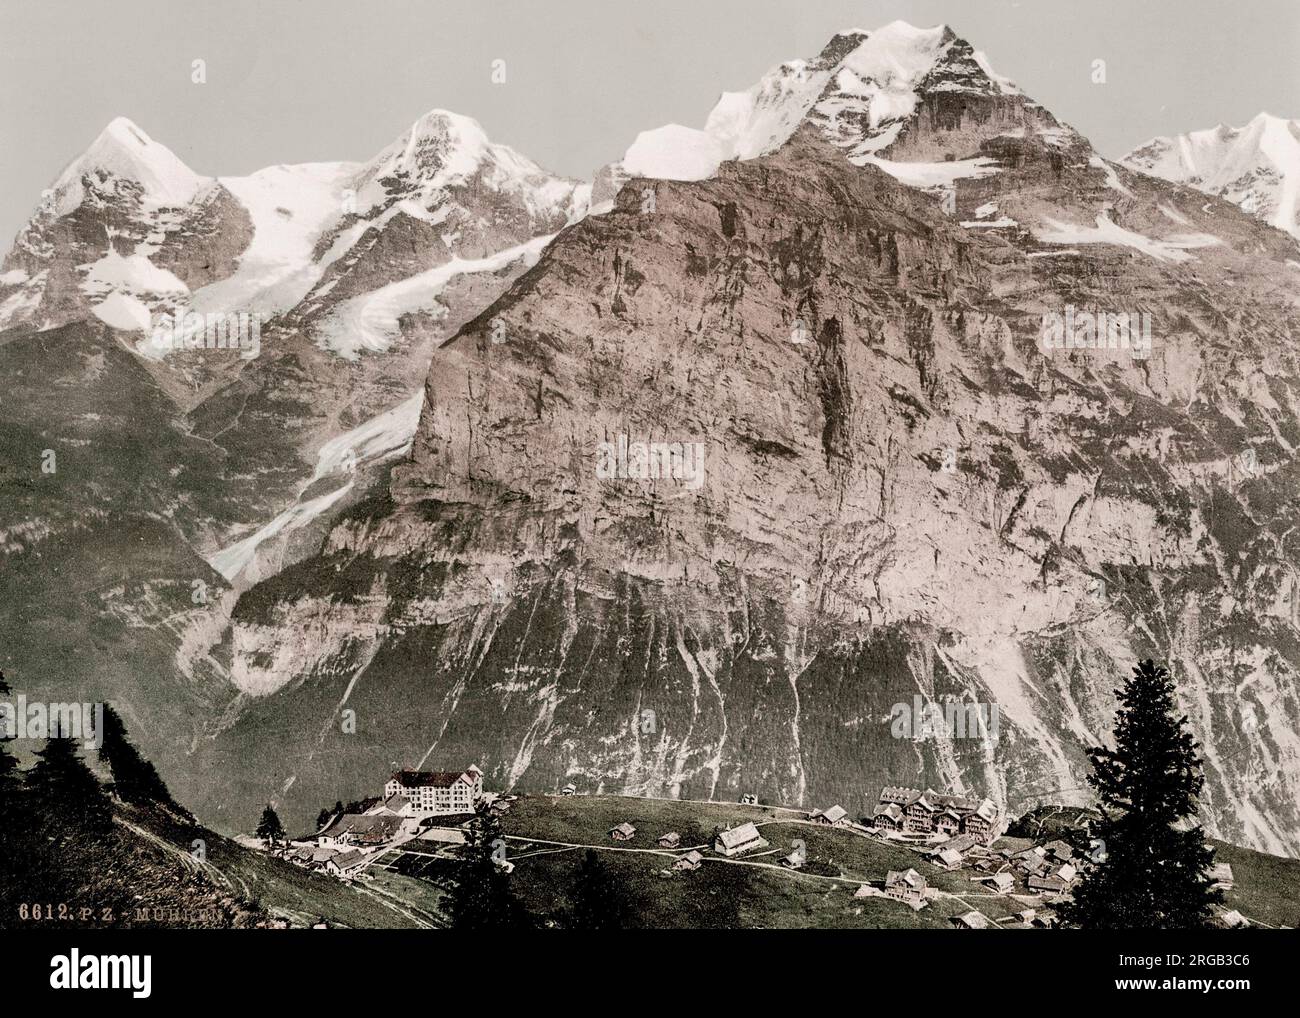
{"type": "Point", "coordinates": [835, 292]}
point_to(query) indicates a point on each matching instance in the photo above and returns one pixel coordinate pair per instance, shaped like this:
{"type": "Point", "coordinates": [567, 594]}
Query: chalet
{"type": "Point", "coordinates": [1026, 915]}
{"type": "Point", "coordinates": [345, 863]}
{"type": "Point", "coordinates": [690, 861]}
{"type": "Point", "coordinates": [1002, 883]}
{"type": "Point", "coordinates": [737, 840]}
{"type": "Point", "coordinates": [906, 886]}
{"type": "Point", "coordinates": [1059, 850]}
{"type": "Point", "coordinates": [313, 858]}
{"type": "Point", "coordinates": [437, 792]}
{"type": "Point", "coordinates": [948, 858]}
{"type": "Point", "coordinates": [836, 816]}
{"type": "Point", "coordinates": [988, 865]}
{"type": "Point", "coordinates": [1045, 920]}
{"type": "Point", "coordinates": [971, 921]}
{"type": "Point", "coordinates": [749, 800]}
{"type": "Point", "coordinates": [864, 891]}
{"type": "Point", "coordinates": [1233, 919]}
{"type": "Point", "coordinates": [670, 840]}
{"type": "Point", "coordinates": [1221, 874]}
{"type": "Point", "coordinates": [982, 822]}
{"type": "Point", "coordinates": [362, 830]}
{"type": "Point", "coordinates": [1047, 885]}
{"type": "Point", "coordinates": [623, 832]}
{"type": "Point", "coordinates": [794, 860]}
{"type": "Point", "coordinates": [1066, 873]}
{"type": "Point", "coordinates": [569, 790]}
{"type": "Point", "coordinates": [888, 817]}
{"type": "Point", "coordinates": [918, 817]}
{"type": "Point", "coordinates": [947, 822]}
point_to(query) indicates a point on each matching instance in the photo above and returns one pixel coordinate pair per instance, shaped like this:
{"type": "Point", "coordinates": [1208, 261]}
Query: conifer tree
{"type": "Point", "coordinates": [65, 796]}
{"type": "Point", "coordinates": [135, 779]}
{"type": "Point", "coordinates": [1153, 869]}
{"type": "Point", "coordinates": [269, 827]}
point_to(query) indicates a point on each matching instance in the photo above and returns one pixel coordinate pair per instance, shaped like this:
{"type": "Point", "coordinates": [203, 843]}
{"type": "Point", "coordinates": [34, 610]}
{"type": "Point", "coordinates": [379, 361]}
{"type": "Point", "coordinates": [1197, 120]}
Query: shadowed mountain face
{"type": "Point", "coordinates": [905, 489]}
{"type": "Point", "coordinates": [820, 423]}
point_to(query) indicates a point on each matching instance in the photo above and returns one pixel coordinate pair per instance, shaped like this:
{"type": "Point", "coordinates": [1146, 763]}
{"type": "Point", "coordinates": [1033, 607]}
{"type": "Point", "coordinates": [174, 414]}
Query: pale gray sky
{"type": "Point", "coordinates": [305, 80]}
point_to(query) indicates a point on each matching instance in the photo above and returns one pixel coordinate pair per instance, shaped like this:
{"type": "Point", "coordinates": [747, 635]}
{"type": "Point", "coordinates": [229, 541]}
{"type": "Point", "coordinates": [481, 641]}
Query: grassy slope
{"type": "Point", "coordinates": [1267, 887]}
{"type": "Point", "coordinates": [723, 894]}
{"type": "Point", "coordinates": [146, 862]}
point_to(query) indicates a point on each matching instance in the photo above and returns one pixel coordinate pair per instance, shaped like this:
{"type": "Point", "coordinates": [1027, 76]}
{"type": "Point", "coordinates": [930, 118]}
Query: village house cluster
{"type": "Point", "coordinates": [409, 807]}
{"type": "Point", "coordinates": [912, 812]}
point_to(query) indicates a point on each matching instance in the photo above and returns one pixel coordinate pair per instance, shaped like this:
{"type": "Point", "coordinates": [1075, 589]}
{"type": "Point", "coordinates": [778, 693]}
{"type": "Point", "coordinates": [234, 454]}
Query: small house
{"type": "Point", "coordinates": [906, 886]}
{"type": "Point", "coordinates": [833, 817]}
{"type": "Point", "coordinates": [948, 858]}
{"type": "Point", "coordinates": [569, 790]}
{"type": "Point", "coordinates": [623, 832]}
{"type": "Point", "coordinates": [971, 921]}
{"type": "Point", "coordinates": [1002, 883]}
{"type": "Point", "coordinates": [690, 861]}
{"type": "Point", "coordinates": [670, 840]}
{"type": "Point", "coordinates": [1047, 885]}
{"type": "Point", "coordinates": [737, 840]}
{"type": "Point", "coordinates": [888, 817]}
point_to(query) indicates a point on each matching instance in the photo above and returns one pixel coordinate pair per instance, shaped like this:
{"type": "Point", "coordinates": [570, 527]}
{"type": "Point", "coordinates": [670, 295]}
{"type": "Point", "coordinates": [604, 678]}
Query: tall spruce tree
{"type": "Point", "coordinates": [135, 779]}
{"type": "Point", "coordinates": [269, 827]}
{"type": "Point", "coordinates": [1153, 869]}
{"type": "Point", "coordinates": [480, 897]}
{"type": "Point", "coordinates": [68, 811]}
{"type": "Point", "coordinates": [64, 793]}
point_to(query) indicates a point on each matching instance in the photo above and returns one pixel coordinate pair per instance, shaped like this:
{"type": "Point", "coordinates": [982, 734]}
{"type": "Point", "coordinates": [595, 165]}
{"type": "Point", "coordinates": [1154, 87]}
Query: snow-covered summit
{"type": "Point", "coordinates": [1256, 166]}
{"type": "Point", "coordinates": [861, 90]}
{"type": "Point", "coordinates": [444, 149]}
{"type": "Point", "coordinates": [124, 152]}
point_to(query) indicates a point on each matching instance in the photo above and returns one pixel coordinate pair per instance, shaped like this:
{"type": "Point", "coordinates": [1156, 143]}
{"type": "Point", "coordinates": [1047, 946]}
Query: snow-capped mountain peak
{"type": "Point", "coordinates": [865, 91]}
{"type": "Point", "coordinates": [860, 88]}
{"type": "Point", "coordinates": [1256, 166]}
{"type": "Point", "coordinates": [444, 149]}
{"type": "Point", "coordinates": [124, 152]}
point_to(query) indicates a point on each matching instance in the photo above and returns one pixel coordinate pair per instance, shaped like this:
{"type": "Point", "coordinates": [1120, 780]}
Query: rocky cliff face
{"type": "Point", "coordinates": [904, 490]}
